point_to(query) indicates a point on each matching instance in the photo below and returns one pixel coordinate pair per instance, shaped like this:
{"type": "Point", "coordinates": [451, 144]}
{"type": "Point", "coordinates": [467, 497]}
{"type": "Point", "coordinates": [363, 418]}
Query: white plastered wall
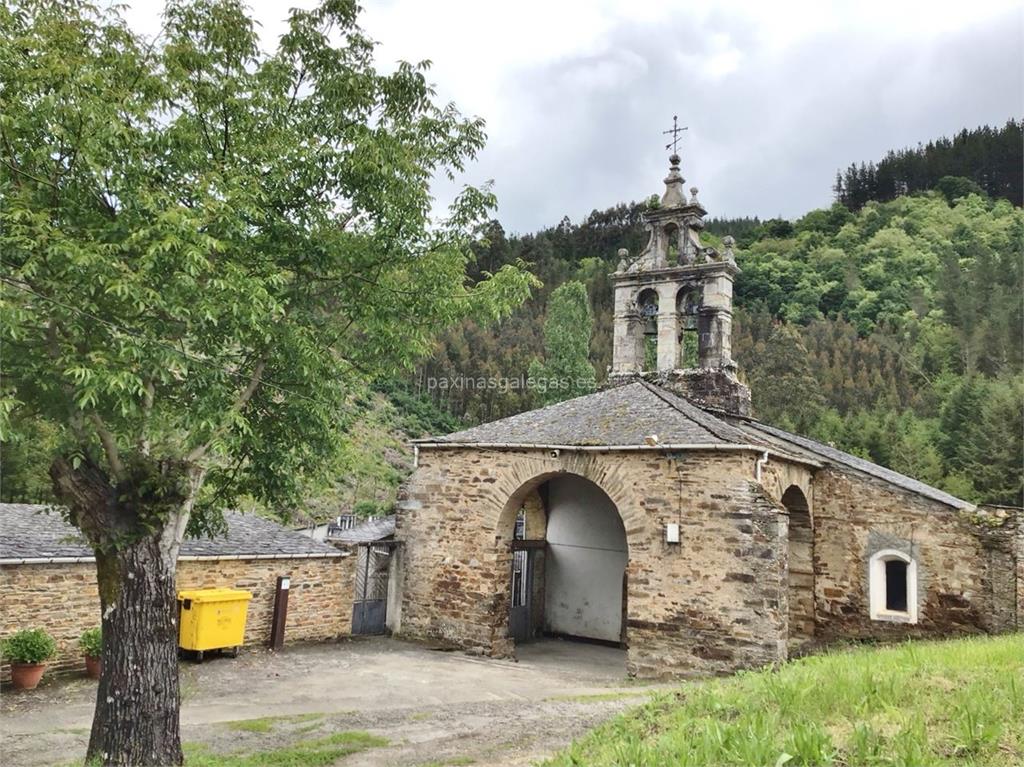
{"type": "Point", "coordinates": [586, 559]}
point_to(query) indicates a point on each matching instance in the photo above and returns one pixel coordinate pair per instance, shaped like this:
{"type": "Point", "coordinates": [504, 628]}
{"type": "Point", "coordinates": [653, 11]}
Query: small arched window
{"type": "Point", "coordinates": [672, 244]}
{"type": "Point", "coordinates": [893, 586]}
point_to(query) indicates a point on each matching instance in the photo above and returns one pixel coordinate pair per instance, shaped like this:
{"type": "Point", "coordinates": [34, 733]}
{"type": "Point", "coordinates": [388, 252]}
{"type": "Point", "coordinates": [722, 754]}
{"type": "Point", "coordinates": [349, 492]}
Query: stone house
{"type": "Point", "coordinates": [659, 515]}
{"type": "Point", "coordinates": [48, 578]}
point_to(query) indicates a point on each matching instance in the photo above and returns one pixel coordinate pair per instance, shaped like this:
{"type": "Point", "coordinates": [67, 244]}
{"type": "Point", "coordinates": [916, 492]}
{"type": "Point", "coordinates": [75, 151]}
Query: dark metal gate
{"type": "Point", "coordinates": [519, 622]}
{"type": "Point", "coordinates": [369, 608]}
{"type": "Point", "coordinates": [523, 616]}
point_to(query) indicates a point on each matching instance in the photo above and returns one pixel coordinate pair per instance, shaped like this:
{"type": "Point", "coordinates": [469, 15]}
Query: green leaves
{"type": "Point", "coordinates": [28, 646]}
{"type": "Point", "coordinates": [566, 371]}
{"type": "Point", "coordinates": [206, 245]}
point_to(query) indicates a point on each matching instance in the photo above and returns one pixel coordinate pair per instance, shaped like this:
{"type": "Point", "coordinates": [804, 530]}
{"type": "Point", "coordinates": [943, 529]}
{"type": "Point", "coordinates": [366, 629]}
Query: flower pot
{"type": "Point", "coordinates": [26, 676]}
{"type": "Point", "coordinates": [93, 665]}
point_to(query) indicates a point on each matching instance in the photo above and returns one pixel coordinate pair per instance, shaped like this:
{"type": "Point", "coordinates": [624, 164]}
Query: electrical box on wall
{"type": "Point", "coordinates": [672, 532]}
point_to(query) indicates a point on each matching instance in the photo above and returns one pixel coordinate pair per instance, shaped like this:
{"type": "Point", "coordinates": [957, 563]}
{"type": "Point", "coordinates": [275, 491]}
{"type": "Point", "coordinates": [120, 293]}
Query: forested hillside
{"type": "Point", "coordinates": [986, 160]}
{"type": "Point", "coordinates": [893, 331]}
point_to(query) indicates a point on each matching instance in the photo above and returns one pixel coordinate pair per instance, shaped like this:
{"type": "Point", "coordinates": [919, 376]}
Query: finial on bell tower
{"type": "Point", "coordinates": [674, 196]}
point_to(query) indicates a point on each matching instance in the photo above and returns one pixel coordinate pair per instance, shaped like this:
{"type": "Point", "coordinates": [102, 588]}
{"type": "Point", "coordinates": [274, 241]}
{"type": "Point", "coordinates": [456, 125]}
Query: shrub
{"type": "Point", "coordinates": [367, 508]}
{"type": "Point", "coordinates": [28, 646]}
{"type": "Point", "coordinates": [91, 642]}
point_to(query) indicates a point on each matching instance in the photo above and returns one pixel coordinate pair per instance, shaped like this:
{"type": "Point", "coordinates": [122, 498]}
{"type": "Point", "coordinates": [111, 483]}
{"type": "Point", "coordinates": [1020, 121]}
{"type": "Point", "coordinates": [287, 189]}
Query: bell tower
{"type": "Point", "coordinates": [673, 305]}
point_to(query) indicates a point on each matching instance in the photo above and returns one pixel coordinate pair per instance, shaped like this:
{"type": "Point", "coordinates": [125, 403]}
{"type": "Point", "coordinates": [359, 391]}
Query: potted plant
{"type": "Point", "coordinates": [91, 643]}
{"type": "Point", "coordinates": [27, 651]}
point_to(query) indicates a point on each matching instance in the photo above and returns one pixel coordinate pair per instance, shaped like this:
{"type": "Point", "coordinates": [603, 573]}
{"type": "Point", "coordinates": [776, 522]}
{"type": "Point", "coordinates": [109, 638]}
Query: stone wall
{"type": "Point", "coordinates": [710, 604]}
{"type": "Point", "coordinates": [965, 563]}
{"type": "Point", "coordinates": [63, 598]}
{"type": "Point", "coordinates": [718, 601]}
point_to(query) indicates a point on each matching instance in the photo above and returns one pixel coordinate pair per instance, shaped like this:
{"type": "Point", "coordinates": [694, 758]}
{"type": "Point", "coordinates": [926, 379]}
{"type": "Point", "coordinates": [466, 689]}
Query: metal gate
{"type": "Point", "coordinates": [369, 608]}
{"type": "Point", "coordinates": [522, 587]}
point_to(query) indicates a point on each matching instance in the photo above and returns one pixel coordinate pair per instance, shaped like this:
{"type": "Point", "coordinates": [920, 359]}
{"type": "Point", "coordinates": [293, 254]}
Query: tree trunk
{"type": "Point", "coordinates": [135, 528]}
{"type": "Point", "coordinates": [136, 719]}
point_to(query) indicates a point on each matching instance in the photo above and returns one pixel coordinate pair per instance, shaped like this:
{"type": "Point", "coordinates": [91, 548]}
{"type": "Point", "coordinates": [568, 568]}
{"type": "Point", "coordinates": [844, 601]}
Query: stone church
{"type": "Point", "coordinates": [659, 515]}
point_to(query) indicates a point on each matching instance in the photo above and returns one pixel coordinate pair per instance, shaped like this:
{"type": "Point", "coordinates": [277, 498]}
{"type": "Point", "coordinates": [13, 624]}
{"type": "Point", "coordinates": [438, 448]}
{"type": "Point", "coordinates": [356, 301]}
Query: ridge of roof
{"type": "Point", "coordinates": [850, 461]}
{"type": "Point", "coordinates": [702, 418]}
{"type": "Point", "coordinates": [620, 415]}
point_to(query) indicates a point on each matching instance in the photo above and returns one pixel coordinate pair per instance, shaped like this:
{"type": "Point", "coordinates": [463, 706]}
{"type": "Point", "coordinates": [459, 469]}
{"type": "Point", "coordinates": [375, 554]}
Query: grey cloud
{"type": "Point", "coordinates": [764, 140]}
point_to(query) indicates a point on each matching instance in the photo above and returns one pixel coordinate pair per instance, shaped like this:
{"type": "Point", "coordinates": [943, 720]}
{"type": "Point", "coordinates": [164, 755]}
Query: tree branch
{"type": "Point", "coordinates": [109, 446]}
{"type": "Point", "coordinates": [240, 402]}
{"type": "Point", "coordinates": [147, 409]}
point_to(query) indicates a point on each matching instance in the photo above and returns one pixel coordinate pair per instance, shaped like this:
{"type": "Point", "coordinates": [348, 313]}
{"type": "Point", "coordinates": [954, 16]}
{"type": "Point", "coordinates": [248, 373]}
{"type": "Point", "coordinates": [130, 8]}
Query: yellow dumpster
{"type": "Point", "coordinates": [212, 619]}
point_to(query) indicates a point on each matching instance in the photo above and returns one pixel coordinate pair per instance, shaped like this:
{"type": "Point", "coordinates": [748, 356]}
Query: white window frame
{"type": "Point", "coordinates": [877, 587]}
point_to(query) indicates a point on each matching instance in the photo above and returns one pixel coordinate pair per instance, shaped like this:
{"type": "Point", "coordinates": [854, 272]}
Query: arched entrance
{"type": "Point", "coordinates": [569, 557]}
{"type": "Point", "coordinates": [801, 569]}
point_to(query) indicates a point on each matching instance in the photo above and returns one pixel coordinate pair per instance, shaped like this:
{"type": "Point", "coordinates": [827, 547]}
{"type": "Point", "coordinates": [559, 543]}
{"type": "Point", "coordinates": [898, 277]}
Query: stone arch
{"type": "Point", "coordinates": [534, 470]}
{"type": "Point", "coordinates": [572, 580]}
{"type": "Point", "coordinates": [688, 300]}
{"type": "Point", "coordinates": [780, 475]}
{"type": "Point", "coordinates": [795, 500]}
{"type": "Point", "coordinates": [800, 568]}
{"type": "Point", "coordinates": [647, 302]}
{"type": "Point", "coordinates": [504, 530]}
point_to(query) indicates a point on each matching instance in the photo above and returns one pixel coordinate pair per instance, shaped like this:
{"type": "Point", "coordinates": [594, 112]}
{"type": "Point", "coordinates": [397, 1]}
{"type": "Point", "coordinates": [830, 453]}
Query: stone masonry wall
{"type": "Point", "coordinates": [965, 567]}
{"type": "Point", "coordinates": [63, 598]}
{"type": "Point", "coordinates": [710, 604]}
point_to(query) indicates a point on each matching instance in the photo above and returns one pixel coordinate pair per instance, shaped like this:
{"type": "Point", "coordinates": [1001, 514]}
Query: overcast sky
{"type": "Point", "coordinates": [777, 95]}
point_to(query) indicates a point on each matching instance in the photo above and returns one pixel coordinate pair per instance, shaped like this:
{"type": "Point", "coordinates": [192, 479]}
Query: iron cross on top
{"type": "Point", "coordinates": [675, 131]}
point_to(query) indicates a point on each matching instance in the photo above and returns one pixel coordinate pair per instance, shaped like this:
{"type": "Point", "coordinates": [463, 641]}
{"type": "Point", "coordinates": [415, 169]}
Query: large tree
{"type": "Point", "coordinates": [566, 370]}
{"type": "Point", "coordinates": [204, 246]}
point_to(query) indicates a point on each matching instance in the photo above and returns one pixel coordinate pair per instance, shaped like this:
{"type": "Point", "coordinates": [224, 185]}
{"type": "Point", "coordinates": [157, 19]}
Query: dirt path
{"type": "Point", "coordinates": [432, 707]}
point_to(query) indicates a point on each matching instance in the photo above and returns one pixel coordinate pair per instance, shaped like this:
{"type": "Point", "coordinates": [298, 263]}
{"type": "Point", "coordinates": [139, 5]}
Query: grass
{"type": "Point", "coordinates": [599, 696]}
{"type": "Point", "coordinates": [310, 753]}
{"type": "Point", "coordinates": [266, 723]}
{"type": "Point", "coordinates": [957, 702]}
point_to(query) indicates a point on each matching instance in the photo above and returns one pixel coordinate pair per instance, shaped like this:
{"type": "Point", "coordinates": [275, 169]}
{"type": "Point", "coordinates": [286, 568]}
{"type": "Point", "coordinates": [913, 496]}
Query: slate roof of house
{"type": "Point", "coordinates": [826, 454]}
{"type": "Point", "coordinates": [30, 531]}
{"type": "Point", "coordinates": [623, 415]}
{"type": "Point", "coordinates": [367, 532]}
{"type": "Point", "coordinates": [627, 414]}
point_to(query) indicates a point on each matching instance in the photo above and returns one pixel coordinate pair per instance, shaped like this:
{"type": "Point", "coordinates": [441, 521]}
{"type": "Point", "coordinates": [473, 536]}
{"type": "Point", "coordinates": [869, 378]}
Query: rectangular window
{"type": "Point", "coordinates": [896, 585]}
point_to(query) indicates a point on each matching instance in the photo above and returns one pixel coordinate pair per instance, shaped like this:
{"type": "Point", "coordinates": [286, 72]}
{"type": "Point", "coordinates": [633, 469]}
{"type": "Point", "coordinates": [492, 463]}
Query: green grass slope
{"type": "Point", "coordinates": [957, 702]}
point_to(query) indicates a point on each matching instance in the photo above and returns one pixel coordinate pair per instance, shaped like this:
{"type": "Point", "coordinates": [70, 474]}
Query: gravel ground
{"type": "Point", "coordinates": [433, 707]}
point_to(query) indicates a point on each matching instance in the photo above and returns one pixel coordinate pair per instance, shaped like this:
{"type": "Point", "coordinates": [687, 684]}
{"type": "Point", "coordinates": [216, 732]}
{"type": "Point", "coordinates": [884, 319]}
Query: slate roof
{"type": "Point", "coordinates": [29, 531]}
{"type": "Point", "coordinates": [624, 415]}
{"type": "Point", "coordinates": [367, 532]}
{"type": "Point", "coordinates": [827, 454]}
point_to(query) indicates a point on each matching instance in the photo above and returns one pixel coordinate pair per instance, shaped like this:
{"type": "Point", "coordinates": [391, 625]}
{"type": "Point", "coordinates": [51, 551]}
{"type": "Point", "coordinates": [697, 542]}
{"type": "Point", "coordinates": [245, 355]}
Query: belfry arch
{"type": "Point", "coordinates": [568, 561]}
